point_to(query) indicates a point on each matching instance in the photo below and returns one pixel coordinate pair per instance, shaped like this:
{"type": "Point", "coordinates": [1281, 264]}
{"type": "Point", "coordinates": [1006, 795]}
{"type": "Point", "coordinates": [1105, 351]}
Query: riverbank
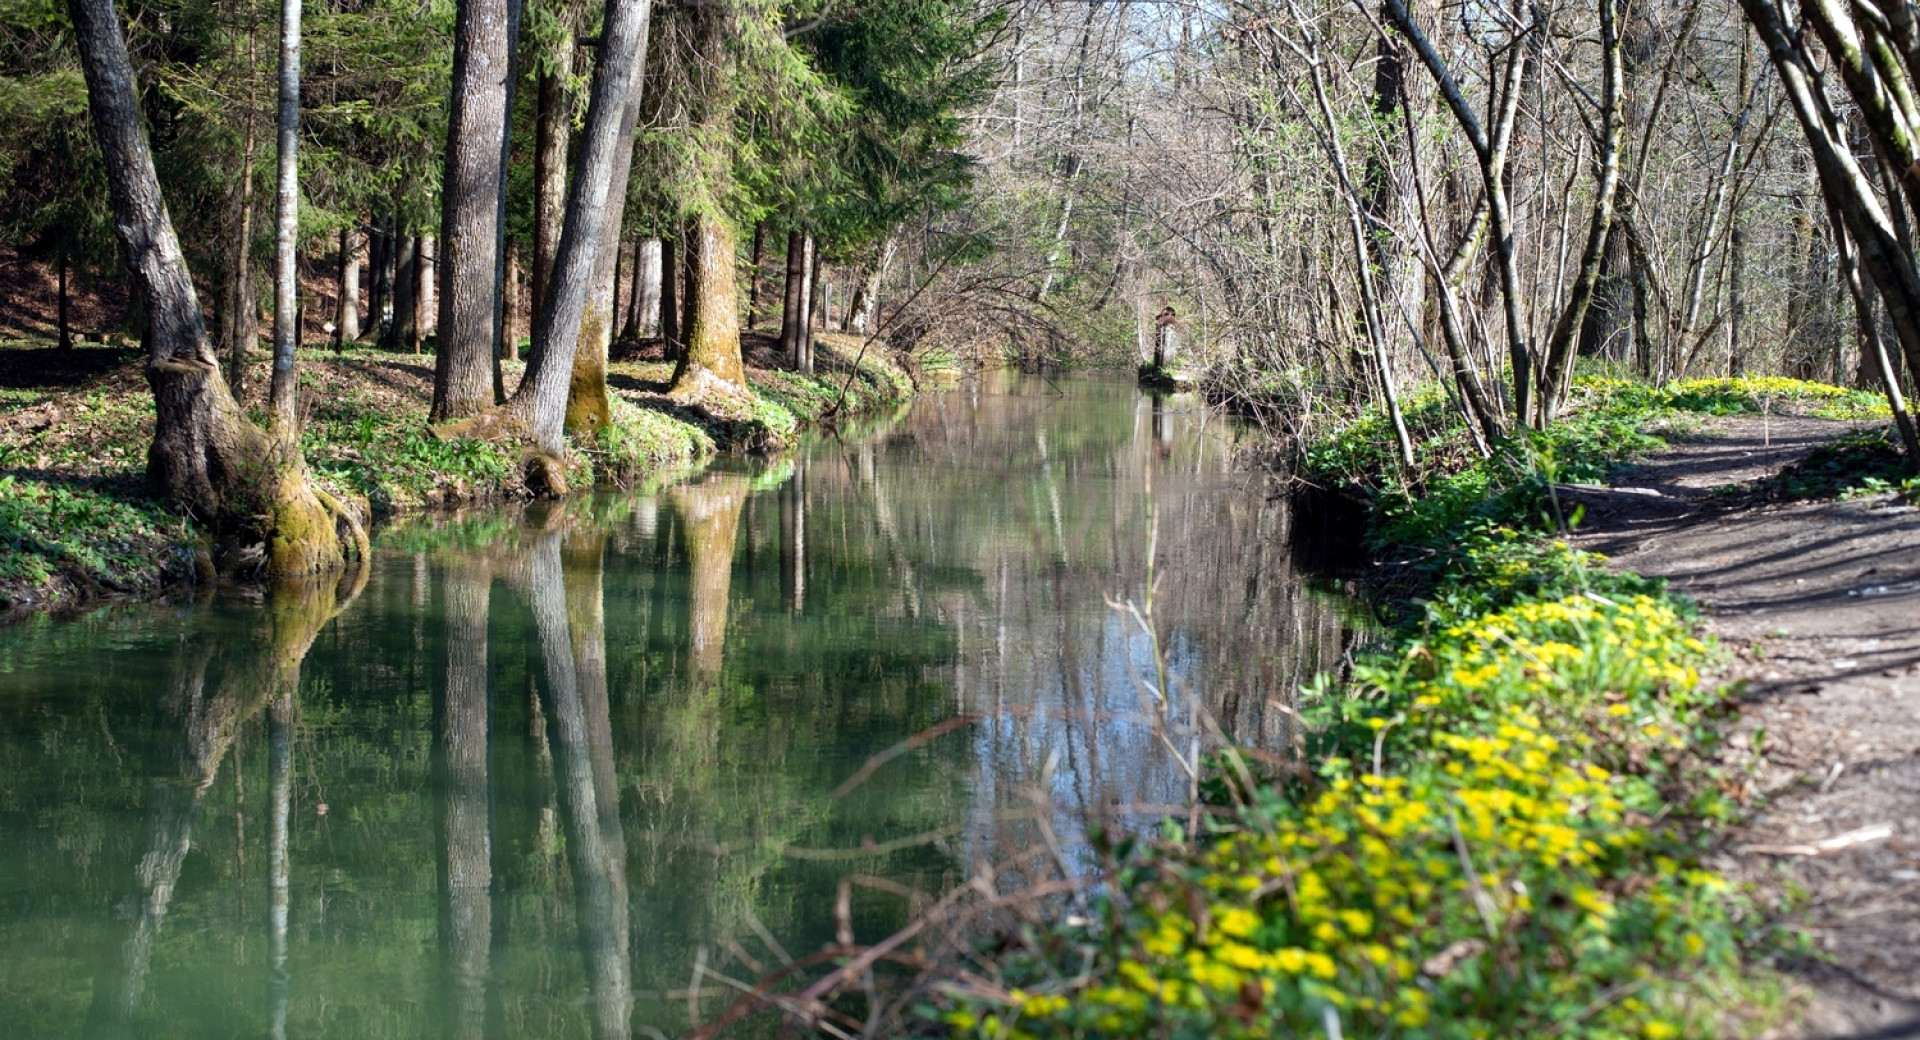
{"type": "Point", "coordinates": [1509, 811]}
{"type": "Point", "coordinates": [77, 523]}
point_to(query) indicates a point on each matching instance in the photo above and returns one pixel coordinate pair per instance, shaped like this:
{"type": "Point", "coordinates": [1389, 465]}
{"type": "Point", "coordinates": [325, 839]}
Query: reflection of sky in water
{"type": "Point", "coordinates": [1059, 671]}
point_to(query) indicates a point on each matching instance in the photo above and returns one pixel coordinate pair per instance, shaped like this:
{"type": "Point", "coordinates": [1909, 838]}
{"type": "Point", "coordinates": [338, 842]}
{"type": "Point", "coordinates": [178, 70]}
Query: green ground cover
{"type": "Point", "coordinates": [1500, 827]}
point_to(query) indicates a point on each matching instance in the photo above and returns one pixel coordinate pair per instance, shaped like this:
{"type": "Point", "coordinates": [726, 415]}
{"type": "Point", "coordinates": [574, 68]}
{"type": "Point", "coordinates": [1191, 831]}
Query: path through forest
{"type": "Point", "coordinates": [1817, 603]}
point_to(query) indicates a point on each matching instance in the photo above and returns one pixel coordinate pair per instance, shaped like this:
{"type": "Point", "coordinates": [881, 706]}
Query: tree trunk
{"type": "Point", "coordinates": [286, 227]}
{"type": "Point", "coordinates": [753, 283]}
{"type": "Point", "coordinates": [713, 334]}
{"type": "Point", "coordinates": [1557, 373]}
{"type": "Point", "coordinates": [819, 302]}
{"type": "Point", "coordinates": [541, 402]}
{"type": "Point", "coordinates": [687, 296]}
{"type": "Point", "coordinates": [794, 316]}
{"type": "Point", "coordinates": [1737, 302]}
{"type": "Point", "coordinates": [346, 318]}
{"type": "Point", "coordinates": [636, 287]}
{"type": "Point", "coordinates": [470, 210]}
{"type": "Point", "coordinates": [552, 127]}
{"type": "Point", "coordinates": [510, 307]}
{"type": "Point", "coordinates": [380, 266]}
{"type": "Point", "coordinates": [670, 298]}
{"type": "Point", "coordinates": [588, 406]}
{"type": "Point", "coordinates": [622, 273]}
{"type": "Point", "coordinates": [866, 307]}
{"type": "Point", "coordinates": [417, 301]}
{"type": "Point", "coordinates": [426, 300]}
{"type": "Point", "coordinates": [1607, 331]}
{"type": "Point", "coordinates": [63, 331]}
{"type": "Point", "coordinates": [647, 275]}
{"type": "Point", "coordinates": [1363, 258]}
{"type": "Point", "coordinates": [1491, 150]}
{"type": "Point", "coordinates": [1846, 186]}
{"type": "Point", "coordinates": [240, 325]}
{"type": "Point", "coordinates": [503, 279]}
{"type": "Point", "coordinates": [400, 331]}
{"type": "Point", "coordinates": [247, 487]}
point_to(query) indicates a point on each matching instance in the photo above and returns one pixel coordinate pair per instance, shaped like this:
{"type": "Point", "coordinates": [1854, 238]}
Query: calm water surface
{"type": "Point", "coordinates": [525, 772]}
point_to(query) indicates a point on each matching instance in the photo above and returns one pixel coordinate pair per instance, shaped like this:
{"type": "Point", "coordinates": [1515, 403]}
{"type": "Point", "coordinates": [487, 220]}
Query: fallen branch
{"type": "Point", "coordinates": [1861, 836]}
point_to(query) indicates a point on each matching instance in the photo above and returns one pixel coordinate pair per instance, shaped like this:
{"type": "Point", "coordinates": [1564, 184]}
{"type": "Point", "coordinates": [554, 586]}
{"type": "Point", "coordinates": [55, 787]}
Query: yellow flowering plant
{"type": "Point", "coordinates": [1472, 852]}
{"type": "Point", "coordinates": [1494, 886]}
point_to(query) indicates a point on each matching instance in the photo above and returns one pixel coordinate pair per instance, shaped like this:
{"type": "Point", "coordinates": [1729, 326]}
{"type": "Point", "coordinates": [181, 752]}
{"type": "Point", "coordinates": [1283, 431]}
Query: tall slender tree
{"type": "Point", "coordinates": [286, 226]}
{"type": "Point", "coordinates": [469, 258]}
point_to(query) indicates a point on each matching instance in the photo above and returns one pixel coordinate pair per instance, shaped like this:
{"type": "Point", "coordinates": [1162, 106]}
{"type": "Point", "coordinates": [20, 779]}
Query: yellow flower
{"type": "Point", "coordinates": [1237, 922]}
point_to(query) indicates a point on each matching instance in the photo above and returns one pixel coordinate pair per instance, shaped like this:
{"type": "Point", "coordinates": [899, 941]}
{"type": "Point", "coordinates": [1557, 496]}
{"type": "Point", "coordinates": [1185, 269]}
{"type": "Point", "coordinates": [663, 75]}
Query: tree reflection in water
{"type": "Point", "coordinates": [576, 762]}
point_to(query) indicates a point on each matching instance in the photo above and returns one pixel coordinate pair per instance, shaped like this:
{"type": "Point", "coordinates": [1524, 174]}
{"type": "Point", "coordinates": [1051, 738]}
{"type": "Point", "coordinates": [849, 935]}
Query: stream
{"type": "Point", "coordinates": [541, 771]}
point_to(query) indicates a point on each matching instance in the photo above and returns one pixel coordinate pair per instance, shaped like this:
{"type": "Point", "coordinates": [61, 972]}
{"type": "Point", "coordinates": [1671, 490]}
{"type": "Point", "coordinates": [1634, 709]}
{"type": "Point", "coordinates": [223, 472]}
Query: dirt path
{"type": "Point", "coordinates": [1820, 603]}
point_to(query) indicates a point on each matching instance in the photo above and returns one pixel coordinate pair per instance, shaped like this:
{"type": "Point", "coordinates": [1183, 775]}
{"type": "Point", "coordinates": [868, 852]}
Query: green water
{"type": "Point", "coordinates": [533, 772]}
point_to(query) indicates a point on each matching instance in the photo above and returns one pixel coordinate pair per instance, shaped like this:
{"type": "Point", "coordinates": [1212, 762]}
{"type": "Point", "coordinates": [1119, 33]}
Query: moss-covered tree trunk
{"type": "Point", "coordinates": [712, 330]}
{"type": "Point", "coordinates": [713, 336]}
{"type": "Point", "coordinates": [588, 407]}
{"type": "Point", "coordinates": [249, 488]}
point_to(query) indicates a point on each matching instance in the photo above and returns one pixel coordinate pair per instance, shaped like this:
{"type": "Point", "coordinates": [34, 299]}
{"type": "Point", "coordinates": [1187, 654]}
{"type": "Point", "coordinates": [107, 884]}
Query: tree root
{"type": "Point", "coordinates": [361, 544]}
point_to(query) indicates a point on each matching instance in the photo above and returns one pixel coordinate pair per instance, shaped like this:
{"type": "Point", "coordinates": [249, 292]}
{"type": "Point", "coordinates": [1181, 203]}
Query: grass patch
{"type": "Point", "coordinates": [61, 541]}
{"type": "Point", "coordinates": [1857, 465]}
{"type": "Point", "coordinates": [644, 447]}
{"type": "Point", "coordinates": [838, 386]}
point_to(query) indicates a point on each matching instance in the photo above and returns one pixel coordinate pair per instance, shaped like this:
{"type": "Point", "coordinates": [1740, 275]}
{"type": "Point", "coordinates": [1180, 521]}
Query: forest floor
{"type": "Point", "coordinates": [77, 522]}
{"type": "Point", "coordinates": [1816, 603]}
